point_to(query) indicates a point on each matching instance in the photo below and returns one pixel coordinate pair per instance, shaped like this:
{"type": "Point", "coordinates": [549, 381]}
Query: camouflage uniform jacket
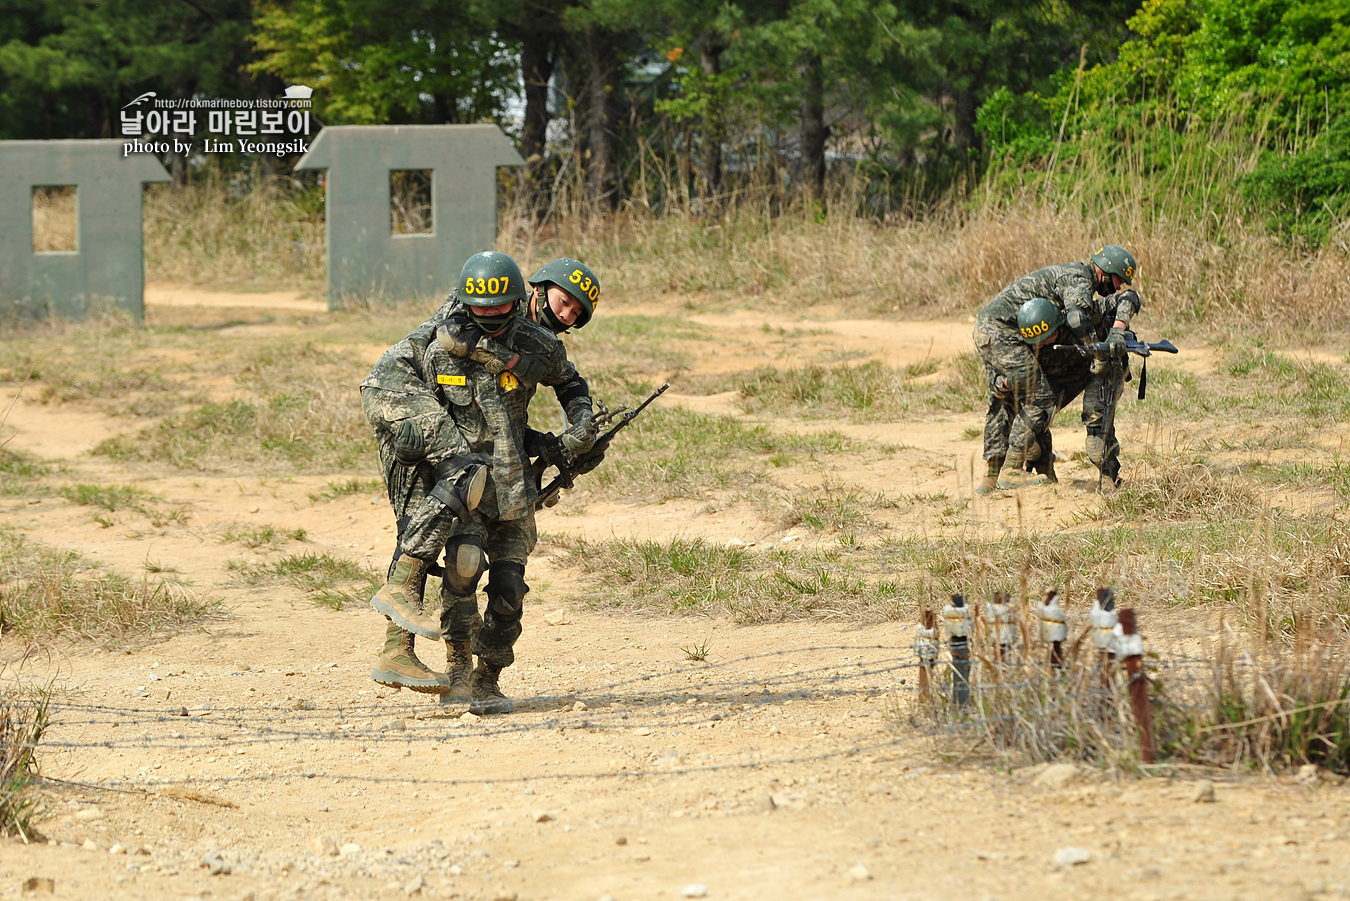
{"type": "Point", "coordinates": [400, 368]}
{"type": "Point", "coordinates": [461, 337]}
{"type": "Point", "coordinates": [1066, 285]}
{"type": "Point", "coordinates": [491, 410]}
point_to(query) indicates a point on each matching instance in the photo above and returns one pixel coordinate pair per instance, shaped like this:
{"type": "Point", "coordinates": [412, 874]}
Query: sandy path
{"type": "Point", "coordinates": [785, 766]}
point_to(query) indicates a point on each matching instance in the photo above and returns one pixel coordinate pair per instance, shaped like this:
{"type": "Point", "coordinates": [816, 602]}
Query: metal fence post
{"type": "Point", "coordinates": [957, 616]}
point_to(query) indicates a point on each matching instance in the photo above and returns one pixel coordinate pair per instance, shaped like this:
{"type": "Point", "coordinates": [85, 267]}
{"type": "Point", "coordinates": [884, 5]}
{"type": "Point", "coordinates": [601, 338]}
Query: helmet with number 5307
{"type": "Point", "coordinates": [574, 277]}
{"type": "Point", "coordinates": [490, 279]}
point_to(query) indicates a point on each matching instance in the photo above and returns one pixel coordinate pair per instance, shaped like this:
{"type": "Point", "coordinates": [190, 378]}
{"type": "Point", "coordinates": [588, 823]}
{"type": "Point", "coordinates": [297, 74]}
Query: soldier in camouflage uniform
{"type": "Point", "coordinates": [565, 293]}
{"type": "Point", "coordinates": [1022, 397]}
{"type": "Point", "coordinates": [483, 336]}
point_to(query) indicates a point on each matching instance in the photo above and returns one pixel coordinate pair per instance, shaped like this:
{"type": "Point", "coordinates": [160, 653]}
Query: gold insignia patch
{"type": "Point", "coordinates": [509, 382]}
{"type": "Point", "coordinates": [442, 379]}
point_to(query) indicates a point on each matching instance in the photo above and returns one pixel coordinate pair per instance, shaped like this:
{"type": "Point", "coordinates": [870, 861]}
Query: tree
{"type": "Point", "coordinates": [390, 61]}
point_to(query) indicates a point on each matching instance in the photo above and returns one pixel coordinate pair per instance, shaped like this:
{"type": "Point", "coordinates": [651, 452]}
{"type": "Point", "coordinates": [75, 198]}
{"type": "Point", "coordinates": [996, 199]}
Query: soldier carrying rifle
{"type": "Point", "coordinates": [1029, 338]}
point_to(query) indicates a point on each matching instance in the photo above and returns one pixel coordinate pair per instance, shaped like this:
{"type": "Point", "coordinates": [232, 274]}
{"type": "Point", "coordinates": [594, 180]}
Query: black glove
{"type": "Point", "coordinates": [409, 445]}
{"type": "Point", "coordinates": [1116, 341]}
{"type": "Point", "coordinates": [530, 368]}
{"type": "Point", "coordinates": [553, 453]}
{"type": "Point", "coordinates": [588, 461]}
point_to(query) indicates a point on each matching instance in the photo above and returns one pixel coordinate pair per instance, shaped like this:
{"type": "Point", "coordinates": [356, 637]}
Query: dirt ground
{"type": "Point", "coordinates": [253, 758]}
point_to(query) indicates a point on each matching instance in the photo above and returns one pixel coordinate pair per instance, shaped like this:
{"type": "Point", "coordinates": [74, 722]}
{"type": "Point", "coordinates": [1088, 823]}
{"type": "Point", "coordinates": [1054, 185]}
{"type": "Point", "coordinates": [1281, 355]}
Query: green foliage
{"type": "Point", "coordinates": [1307, 192]}
{"type": "Point", "coordinates": [389, 62]}
{"type": "Point", "coordinates": [23, 719]}
{"type": "Point", "coordinates": [68, 66]}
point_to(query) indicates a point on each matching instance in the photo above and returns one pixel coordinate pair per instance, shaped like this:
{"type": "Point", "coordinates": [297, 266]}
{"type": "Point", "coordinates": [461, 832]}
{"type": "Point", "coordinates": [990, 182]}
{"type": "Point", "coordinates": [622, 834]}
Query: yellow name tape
{"type": "Point", "coordinates": [450, 380]}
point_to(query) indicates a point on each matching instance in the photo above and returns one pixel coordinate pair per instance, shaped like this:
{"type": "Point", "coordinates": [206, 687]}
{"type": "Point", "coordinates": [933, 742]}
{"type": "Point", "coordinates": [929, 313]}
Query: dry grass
{"type": "Point", "coordinates": [23, 719]}
{"type": "Point", "coordinates": [253, 233]}
{"type": "Point", "coordinates": [1284, 705]}
{"type": "Point", "coordinates": [952, 261]}
{"type": "Point", "coordinates": [55, 219]}
{"type": "Point", "coordinates": [45, 593]}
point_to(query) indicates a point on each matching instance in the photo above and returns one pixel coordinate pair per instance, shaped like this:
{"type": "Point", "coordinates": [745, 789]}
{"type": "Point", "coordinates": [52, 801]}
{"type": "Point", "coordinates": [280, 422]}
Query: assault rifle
{"type": "Point", "coordinates": [552, 454]}
{"type": "Point", "coordinates": [1110, 395]}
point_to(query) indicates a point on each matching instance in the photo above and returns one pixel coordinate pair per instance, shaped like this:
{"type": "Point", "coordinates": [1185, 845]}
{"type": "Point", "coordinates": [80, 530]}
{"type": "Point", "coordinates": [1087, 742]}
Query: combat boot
{"type": "Point", "coordinates": [401, 598]}
{"type": "Point", "coordinates": [1017, 477]}
{"type": "Point", "coordinates": [1046, 467]}
{"type": "Point", "coordinates": [487, 697]}
{"type": "Point", "coordinates": [989, 483]}
{"type": "Point", "coordinates": [398, 666]}
{"type": "Point", "coordinates": [459, 662]}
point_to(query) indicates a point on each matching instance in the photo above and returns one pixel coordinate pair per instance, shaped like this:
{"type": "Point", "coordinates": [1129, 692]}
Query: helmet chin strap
{"type": "Point", "coordinates": [550, 319]}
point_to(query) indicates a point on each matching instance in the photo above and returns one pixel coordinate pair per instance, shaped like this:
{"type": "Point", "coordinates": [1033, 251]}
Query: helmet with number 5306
{"type": "Point", "coordinates": [574, 277]}
{"type": "Point", "coordinates": [1038, 319]}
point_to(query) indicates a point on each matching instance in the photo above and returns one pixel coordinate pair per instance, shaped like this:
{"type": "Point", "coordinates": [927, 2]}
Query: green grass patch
{"type": "Point", "coordinates": [286, 432]}
{"type": "Point", "coordinates": [327, 580]}
{"type": "Point", "coordinates": [334, 490]}
{"type": "Point", "coordinates": [672, 451]}
{"type": "Point", "coordinates": [263, 537]}
{"type": "Point", "coordinates": [110, 497]}
{"type": "Point", "coordinates": [694, 576]}
{"type": "Point", "coordinates": [866, 392]}
{"type": "Point", "coordinates": [46, 592]}
{"type": "Point", "coordinates": [1273, 569]}
{"type": "Point", "coordinates": [22, 474]}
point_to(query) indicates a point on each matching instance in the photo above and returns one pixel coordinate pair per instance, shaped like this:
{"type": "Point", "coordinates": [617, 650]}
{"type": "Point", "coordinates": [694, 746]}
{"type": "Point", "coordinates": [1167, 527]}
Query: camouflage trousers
{"type": "Point", "coordinates": [1028, 386]}
{"type": "Point", "coordinates": [1102, 447]}
{"type": "Point", "coordinates": [1022, 400]}
{"type": "Point", "coordinates": [507, 546]}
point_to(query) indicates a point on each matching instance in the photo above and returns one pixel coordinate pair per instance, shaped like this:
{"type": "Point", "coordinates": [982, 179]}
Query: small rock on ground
{"type": "Point", "coordinates": [859, 873]}
{"type": "Point", "coordinates": [1204, 792]}
{"type": "Point", "coordinates": [697, 890]}
{"type": "Point", "coordinates": [1069, 856]}
{"type": "Point", "coordinates": [1057, 776]}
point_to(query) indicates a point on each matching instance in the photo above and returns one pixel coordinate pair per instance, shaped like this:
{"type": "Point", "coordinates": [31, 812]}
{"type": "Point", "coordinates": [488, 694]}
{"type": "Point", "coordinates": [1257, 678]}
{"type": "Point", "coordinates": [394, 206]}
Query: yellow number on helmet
{"type": "Point", "coordinates": [575, 277]}
{"type": "Point", "coordinates": [1129, 272]}
{"type": "Point", "coordinates": [482, 286]}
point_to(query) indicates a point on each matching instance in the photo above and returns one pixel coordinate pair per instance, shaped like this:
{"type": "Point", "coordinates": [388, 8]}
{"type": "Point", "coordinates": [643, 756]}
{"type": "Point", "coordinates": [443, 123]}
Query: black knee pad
{"type": "Point", "coordinates": [506, 589]}
{"type": "Point", "coordinates": [465, 564]}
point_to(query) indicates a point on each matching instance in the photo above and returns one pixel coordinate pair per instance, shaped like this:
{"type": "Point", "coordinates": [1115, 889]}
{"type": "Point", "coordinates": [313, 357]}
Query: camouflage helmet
{"type": "Point", "coordinates": [1037, 320]}
{"type": "Point", "coordinates": [489, 279]}
{"type": "Point", "coordinates": [1116, 260]}
{"type": "Point", "coordinates": [577, 279]}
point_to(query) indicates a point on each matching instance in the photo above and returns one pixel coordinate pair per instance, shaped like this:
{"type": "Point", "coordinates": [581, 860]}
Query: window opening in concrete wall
{"type": "Point", "coordinates": [55, 219]}
{"type": "Point", "coordinates": [410, 202]}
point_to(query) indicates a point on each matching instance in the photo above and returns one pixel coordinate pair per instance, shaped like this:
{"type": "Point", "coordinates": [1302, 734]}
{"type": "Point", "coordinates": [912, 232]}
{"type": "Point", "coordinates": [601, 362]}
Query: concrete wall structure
{"type": "Point", "coordinates": [366, 260]}
{"type": "Point", "coordinates": [106, 266]}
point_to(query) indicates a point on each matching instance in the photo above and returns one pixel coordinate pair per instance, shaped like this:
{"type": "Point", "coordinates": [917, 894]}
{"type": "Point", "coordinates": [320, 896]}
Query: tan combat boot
{"type": "Point", "coordinates": [398, 666]}
{"type": "Point", "coordinates": [989, 483]}
{"type": "Point", "coordinates": [487, 697]}
{"type": "Point", "coordinates": [401, 598]}
{"type": "Point", "coordinates": [459, 662]}
{"type": "Point", "coordinates": [1014, 477]}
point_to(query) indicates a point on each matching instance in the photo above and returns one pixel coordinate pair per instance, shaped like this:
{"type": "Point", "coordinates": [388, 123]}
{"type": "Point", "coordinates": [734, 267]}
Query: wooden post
{"type": "Point", "coordinates": [926, 649]}
{"type": "Point", "coordinates": [1132, 649]}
